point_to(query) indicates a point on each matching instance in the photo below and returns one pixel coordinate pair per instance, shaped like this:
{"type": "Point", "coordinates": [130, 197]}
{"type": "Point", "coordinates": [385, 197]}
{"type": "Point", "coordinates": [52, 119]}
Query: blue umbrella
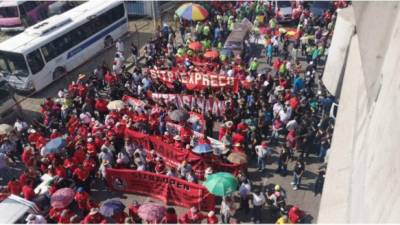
{"type": "Point", "coordinates": [202, 148]}
{"type": "Point", "coordinates": [55, 145]}
{"type": "Point", "coordinates": [111, 207]}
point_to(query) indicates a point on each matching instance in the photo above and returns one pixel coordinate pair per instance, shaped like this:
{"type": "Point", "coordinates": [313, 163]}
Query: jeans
{"type": "Point", "coordinates": [322, 153]}
{"type": "Point", "coordinates": [261, 163]}
{"type": "Point", "coordinates": [296, 180]}
{"type": "Point", "coordinates": [282, 167]}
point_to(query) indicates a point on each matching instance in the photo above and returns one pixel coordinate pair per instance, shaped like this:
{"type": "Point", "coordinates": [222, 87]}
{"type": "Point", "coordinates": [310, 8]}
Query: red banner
{"type": "Point", "coordinates": [216, 106]}
{"type": "Point", "coordinates": [133, 101]}
{"type": "Point", "coordinates": [195, 80]}
{"type": "Point", "coordinates": [169, 189]}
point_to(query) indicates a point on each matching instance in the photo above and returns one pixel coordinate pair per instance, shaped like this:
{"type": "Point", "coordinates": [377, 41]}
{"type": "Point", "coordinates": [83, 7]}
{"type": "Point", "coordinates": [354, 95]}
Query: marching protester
{"type": "Point", "coordinates": [187, 111]}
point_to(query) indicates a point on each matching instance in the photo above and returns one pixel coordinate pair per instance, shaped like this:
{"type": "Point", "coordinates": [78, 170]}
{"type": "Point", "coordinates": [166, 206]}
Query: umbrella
{"type": "Point", "coordinates": [55, 145]}
{"type": "Point", "coordinates": [211, 54]}
{"type": "Point", "coordinates": [221, 184]}
{"type": "Point", "coordinates": [179, 115]}
{"type": "Point", "coordinates": [192, 11]}
{"type": "Point", "coordinates": [111, 207]}
{"type": "Point", "coordinates": [226, 52]}
{"type": "Point", "coordinates": [62, 198]}
{"type": "Point", "coordinates": [202, 148]}
{"type": "Point", "coordinates": [238, 158]}
{"type": "Point", "coordinates": [115, 105]}
{"type": "Point", "coordinates": [195, 46]}
{"type": "Point", "coordinates": [152, 212]}
{"type": "Point", "coordinates": [5, 129]}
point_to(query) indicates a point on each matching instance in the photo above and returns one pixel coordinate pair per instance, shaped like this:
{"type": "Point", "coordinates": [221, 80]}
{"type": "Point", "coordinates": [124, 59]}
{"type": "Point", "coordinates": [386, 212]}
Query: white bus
{"type": "Point", "coordinates": [45, 52]}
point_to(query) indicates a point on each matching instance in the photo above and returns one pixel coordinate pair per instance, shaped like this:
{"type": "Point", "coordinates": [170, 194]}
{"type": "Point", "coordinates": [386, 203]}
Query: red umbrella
{"type": "Point", "coordinates": [152, 212]}
{"type": "Point", "coordinates": [211, 54]}
{"type": "Point", "coordinates": [195, 46]}
{"type": "Point", "coordinates": [62, 198]}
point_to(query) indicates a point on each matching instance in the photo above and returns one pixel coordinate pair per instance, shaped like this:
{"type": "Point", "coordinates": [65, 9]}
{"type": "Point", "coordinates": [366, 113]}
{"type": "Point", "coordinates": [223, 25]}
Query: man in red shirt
{"type": "Point", "coordinates": [80, 175]}
{"type": "Point", "coordinates": [27, 155]}
{"type": "Point", "coordinates": [133, 212]}
{"type": "Point", "coordinates": [14, 186]}
{"type": "Point", "coordinates": [81, 197]}
{"type": "Point", "coordinates": [238, 138]}
{"type": "Point", "coordinates": [94, 217]}
{"type": "Point", "coordinates": [27, 190]}
{"type": "Point", "coordinates": [65, 216]}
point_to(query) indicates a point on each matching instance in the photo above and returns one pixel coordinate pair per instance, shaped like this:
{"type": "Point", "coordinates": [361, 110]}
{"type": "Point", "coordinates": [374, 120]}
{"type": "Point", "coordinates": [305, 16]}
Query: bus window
{"type": "Point", "coordinates": [13, 63]}
{"type": "Point", "coordinates": [35, 61]}
{"type": "Point", "coordinates": [29, 5]}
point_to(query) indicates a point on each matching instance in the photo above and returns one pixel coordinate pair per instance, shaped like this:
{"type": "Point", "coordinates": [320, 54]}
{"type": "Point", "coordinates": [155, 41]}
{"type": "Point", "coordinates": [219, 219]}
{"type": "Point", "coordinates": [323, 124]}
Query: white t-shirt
{"type": "Point", "coordinates": [258, 200]}
{"type": "Point", "coordinates": [120, 46]}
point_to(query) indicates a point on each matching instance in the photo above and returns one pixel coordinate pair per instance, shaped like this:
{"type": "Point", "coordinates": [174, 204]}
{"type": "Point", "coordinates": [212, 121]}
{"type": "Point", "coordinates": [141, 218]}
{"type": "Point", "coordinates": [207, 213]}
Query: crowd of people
{"type": "Point", "coordinates": [284, 110]}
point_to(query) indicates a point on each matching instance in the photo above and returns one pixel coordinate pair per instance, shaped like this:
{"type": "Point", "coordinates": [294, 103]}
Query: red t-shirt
{"type": "Point", "coordinates": [81, 174]}
{"type": "Point", "coordinates": [101, 105]}
{"type": "Point", "coordinates": [26, 156]}
{"type": "Point", "coordinates": [14, 187]}
{"type": "Point", "coordinates": [28, 192]}
{"type": "Point", "coordinates": [81, 199]}
{"type": "Point", "coordinates": [238, 138]}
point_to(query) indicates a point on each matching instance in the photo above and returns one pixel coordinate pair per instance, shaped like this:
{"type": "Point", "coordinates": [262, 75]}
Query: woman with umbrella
{"type": "Point", "coordinates": [113, 209]}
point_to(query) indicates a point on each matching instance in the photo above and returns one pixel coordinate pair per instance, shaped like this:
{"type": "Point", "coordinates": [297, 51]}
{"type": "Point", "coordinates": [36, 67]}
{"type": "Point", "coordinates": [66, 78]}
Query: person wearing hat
{"type": "Point", "coordinates": [178, 143]}
{"type": "Point", "coordinates": [81, 197]}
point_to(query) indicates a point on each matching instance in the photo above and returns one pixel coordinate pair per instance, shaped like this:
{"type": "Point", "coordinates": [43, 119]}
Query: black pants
{"type": "Point", "coordinates": [257, 213]}
{"type": "Point", "coordinates": [244, 204]}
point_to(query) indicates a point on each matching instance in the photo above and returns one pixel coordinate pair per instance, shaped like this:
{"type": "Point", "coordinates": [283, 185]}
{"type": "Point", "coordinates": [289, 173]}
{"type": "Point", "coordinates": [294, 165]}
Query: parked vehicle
{"type": "Point", "coordinates": [284, 11]}
{"type": "Point", "coordinates": [45, 52]}
{"type": "Point", "coordinates": [15, 209]}
{"type": "Point", "coordinates": [9, 108]}
{"type": "Point", "coordinates": [17, 15]}
{"type": "Point", "coordinates": [236, 39]}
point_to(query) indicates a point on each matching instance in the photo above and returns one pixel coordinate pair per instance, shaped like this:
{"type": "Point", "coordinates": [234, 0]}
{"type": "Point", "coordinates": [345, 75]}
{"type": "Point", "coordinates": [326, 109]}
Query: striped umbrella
{"type": "Point", "coordinates": [192, 12]}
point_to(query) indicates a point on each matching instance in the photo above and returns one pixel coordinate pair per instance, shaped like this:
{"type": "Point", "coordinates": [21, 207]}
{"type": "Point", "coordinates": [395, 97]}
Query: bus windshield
{"type": "Point", "coordinates": [8, 12]}
{"type": "Point", "coordinates": [13, 64]}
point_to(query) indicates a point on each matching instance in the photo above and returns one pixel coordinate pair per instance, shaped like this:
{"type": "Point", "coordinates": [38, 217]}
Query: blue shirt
{"type": "Point", "coordinates": [217, 33]}
{"type": "Point", "coordinates": [298, 84]}
{"type": "Point", "coordinates": [269, 50]}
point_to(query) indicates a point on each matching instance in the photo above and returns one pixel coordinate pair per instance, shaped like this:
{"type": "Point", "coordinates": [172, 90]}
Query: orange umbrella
{"type": "Point", "coordinates": [195, 46]}
{"type": "Point", "coordinates": [211, 54]}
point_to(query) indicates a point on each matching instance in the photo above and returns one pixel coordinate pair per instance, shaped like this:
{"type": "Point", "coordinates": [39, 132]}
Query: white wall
{"type": "Point", "coordinates": [363, 175]}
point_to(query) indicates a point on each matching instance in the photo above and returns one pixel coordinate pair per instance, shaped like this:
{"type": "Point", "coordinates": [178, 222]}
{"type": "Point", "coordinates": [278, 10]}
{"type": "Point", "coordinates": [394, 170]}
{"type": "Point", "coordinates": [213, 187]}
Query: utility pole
{"type": "Point", "coordinates": [156, 13]}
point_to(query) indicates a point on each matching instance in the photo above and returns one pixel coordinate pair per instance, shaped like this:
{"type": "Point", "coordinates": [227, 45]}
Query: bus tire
{"type": "Point", "coordinates": [58, 73]}
{"type": "Point", "coordinates": [108, 42]}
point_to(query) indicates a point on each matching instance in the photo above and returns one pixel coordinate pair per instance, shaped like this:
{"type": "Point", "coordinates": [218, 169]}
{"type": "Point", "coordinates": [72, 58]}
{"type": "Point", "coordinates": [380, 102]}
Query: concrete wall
{"type": "Point", "coordinates": [363, 175]}
{"type": "Point", "coordinates": [337, 57]}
